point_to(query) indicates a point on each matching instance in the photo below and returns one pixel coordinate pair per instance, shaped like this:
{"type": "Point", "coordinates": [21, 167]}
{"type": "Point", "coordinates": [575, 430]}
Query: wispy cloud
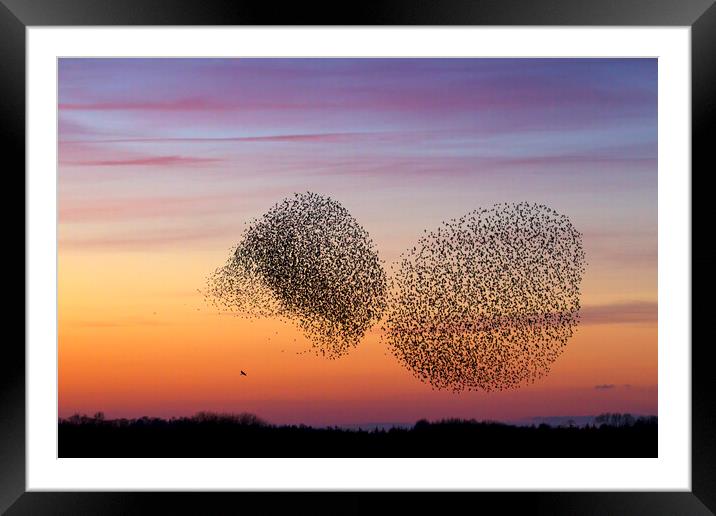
{"type": "Point", "coordinates": [618, 313]}
{"type": "Point", "coordinates": [333, 137]}
{"type": "Point", "coordinates": [611, 386]}
{"type": "Point", "coordinates": [630, 312]}
{"type": "Point", "coordinates": [146, 240]}
{"type": "Point", "coordinates": [150, 161]}
{"type": "Point", "coordinates": [188, 104]}
{"type": "Point", "coordinates": [184, 105]}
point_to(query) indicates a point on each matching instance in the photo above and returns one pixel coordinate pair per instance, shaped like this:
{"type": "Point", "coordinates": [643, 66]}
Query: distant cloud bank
{"type": "Point", "coordinates": [610, 386]}
{"type": "Point", "coordinates": [625, 313]}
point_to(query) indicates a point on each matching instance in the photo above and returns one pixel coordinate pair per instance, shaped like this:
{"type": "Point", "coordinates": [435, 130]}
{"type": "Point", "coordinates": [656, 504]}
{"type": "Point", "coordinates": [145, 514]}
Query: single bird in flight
{"type": "Point", "coordinates": [243, 374]}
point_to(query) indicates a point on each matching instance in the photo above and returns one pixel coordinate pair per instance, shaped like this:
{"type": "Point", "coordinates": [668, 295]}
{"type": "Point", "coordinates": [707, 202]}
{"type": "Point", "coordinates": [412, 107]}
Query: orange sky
{"type": "Point", "coordinates": [135, 339]}
{"type": "Point", "coordinates": [161, 162]}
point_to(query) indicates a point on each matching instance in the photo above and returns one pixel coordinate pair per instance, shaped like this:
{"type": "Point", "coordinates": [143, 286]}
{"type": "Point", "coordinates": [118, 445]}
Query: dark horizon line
{"type": "Point", "coordinates": [235, 417]}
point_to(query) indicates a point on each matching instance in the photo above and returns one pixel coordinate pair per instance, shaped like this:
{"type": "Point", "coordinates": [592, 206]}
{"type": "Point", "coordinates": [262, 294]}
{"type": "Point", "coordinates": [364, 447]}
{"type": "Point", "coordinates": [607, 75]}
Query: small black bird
{"type": "Point", "coordinates": [243, 374]}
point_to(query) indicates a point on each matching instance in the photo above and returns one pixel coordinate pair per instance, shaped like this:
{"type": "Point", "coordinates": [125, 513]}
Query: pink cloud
{"type": "Point", "coordinates": [70, 127]}
{"type": "Point", "coordinates": [298, 138]}
{"type": "Point", "coordinates": [145, 240]}
{"type": "Point", "coordinates": [190, 104]}
{"type": "Point", "coordinates": [144, 161]}
{"type": "Point", "coordinates": [558, 159]}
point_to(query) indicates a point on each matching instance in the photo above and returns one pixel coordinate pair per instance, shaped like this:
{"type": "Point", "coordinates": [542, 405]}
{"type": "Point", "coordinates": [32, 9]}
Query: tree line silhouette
{"type": "Point", "coordinates": [208, 434]}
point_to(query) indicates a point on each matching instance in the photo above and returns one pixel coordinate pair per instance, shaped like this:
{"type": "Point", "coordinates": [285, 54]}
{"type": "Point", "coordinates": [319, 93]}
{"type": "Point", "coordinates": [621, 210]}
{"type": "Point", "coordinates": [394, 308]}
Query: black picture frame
{"type": "Point", "coordinates": [699, 15]}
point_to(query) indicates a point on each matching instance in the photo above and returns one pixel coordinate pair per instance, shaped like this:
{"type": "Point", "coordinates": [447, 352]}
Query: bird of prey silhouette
{"type": "Point", "coordinates": [243, 374]}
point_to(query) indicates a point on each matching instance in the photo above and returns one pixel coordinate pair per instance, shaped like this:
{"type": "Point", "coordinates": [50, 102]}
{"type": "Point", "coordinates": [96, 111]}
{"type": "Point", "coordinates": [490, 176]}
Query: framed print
{"type": "Point", "coordinates": [413, 249]}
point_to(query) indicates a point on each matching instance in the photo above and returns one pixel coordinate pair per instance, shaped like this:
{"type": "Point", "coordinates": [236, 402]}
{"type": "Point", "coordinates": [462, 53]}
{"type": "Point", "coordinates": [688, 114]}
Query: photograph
{"type": "Point", "coordinates": [357, 257]}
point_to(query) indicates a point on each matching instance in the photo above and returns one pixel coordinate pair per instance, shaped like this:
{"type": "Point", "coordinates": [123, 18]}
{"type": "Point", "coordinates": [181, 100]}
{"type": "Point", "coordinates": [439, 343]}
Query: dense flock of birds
{"type": "Point", "coordinates": [487, 301]}
{"type": "Point", "coordinates": [307, 260]}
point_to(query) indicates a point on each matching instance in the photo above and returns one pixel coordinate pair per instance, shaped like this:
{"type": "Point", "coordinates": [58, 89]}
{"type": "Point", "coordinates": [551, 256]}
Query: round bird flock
{"type": "Point", "coordinates": [307, 260]}
{"type": "Point", "coordinates": [489, 300]}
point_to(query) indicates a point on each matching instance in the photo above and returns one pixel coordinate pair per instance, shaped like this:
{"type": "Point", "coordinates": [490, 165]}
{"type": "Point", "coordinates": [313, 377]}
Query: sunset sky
{"type": "Point", "coordinates": [162, 161]}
